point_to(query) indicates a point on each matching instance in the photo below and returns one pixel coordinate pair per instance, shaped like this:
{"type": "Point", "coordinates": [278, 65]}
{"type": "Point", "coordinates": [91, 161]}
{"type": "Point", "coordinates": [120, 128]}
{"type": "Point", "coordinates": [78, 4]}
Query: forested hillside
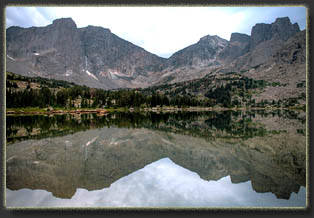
{"type": "Point", "coordinates": [228, 91]}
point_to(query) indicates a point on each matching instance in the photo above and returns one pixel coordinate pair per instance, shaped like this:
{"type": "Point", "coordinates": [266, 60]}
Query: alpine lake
{"type": "Point", "coordinates": [223, 159]}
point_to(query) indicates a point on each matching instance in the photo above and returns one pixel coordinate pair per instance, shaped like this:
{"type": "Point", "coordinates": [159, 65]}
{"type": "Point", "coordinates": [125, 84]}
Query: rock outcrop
{"type": "Point", "coordinates": [238, 45]}
{"type": "Point", "coordinates": [266, 40]}
{"type": "Point", "coordinates": [281, 29]}
{"type": "Point", "coordinates": [203, 53]}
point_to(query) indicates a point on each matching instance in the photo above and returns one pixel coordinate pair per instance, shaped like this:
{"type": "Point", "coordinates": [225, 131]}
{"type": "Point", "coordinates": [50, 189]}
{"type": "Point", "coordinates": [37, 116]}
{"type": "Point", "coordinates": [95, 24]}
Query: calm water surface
{"type": "Point", "coordinates": [209, 159]}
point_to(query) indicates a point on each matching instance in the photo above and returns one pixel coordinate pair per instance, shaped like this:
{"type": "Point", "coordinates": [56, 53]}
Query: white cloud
{"type": "Point", "coordinates": [160, 30]}
{"type": "Point", "coordinates": [25, 17]}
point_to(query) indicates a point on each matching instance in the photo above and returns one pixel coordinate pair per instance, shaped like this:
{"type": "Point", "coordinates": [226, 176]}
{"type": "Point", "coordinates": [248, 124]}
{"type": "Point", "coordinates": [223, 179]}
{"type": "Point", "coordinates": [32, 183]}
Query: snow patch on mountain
{"type": "Point", "coordinates": [11, 58]}
{"type": "Point", "coordinates": [91, 75]}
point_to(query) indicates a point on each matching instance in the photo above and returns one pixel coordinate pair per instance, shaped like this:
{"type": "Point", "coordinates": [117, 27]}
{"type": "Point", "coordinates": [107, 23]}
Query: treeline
{"type": "Point", "coordinates": [84, 97]}
{"type": "Point", "coordinates": [210, 91]}
{"type": "Point", "coordinates": [54, 93]}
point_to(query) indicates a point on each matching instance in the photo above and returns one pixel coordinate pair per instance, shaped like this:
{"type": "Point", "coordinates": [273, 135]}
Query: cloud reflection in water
{"type": "Point", "coordinates": [159, 184]}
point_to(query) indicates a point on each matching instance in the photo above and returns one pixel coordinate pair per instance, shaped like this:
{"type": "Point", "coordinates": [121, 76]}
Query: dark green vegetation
{"type": "Point", "coordinates": [24, 91]}
{"type": "Point", "coordinates": [224, 124]}
{"type": "Point", "coordinates": [229, 90]}
{"type": "Point", "coordinates": [226, 90]}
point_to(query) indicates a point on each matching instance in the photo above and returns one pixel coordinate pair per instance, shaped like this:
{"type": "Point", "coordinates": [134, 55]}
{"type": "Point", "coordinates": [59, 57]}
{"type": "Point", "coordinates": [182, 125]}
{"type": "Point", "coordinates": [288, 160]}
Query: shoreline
{"type": "Point", "coordinates": [102, 111]}
{"type": "Point", "coordinates": [49, 112]}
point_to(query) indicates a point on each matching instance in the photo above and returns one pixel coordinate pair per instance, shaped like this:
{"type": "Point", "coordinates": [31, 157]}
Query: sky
{"type": "Point", "coordinates": [159, 30]}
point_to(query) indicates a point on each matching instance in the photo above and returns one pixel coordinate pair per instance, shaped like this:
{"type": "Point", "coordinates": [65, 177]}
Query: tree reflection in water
{"type": "Point", "coordinates": [92, 152]}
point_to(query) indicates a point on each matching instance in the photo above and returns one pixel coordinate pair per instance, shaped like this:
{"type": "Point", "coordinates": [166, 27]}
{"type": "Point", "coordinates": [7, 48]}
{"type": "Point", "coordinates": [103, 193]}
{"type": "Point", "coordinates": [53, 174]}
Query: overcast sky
{"type": "Point", "coordinates": [159, 30]}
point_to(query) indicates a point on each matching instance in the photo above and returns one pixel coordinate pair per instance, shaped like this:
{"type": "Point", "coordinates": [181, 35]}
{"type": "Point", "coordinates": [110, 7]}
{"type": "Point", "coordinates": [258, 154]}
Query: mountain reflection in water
{"type": "Point", "coordinates": [161, 183]}
{"type": "Point", "coordinates": [251, 150]}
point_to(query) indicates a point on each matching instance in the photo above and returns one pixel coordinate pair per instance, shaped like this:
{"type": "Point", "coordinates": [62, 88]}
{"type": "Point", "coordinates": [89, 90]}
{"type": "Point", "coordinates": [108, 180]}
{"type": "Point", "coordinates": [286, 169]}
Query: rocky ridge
{"type": "Point", "coordinates": [91, 56]}
{"type": "Point", "coordinates": [95, 57]}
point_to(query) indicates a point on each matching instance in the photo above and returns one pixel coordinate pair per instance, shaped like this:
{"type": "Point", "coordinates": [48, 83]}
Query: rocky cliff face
{"type": "Point", "coordinates": [193, 61]}
{"type": "Point", "coordinates": [95, 57]}
{"type": "Point", "coordinates": [287, 66]}
{"type": "Point", "coordinates": [281, 29]}
{"type": "Point", "coordinates": [48, 51]}
{"type": "Point", "coordinates": [242, 53]}
{"type": "Point", "coordinates": [203, 53]}
{"type": "Point", "coordinates": [111, 57]}
{"type": "Point", "coordinates": [239, 45]}
{"type": "Point", "coordinates": [91, 56]}
{"type": "Point", "coordinates": [266, 40]}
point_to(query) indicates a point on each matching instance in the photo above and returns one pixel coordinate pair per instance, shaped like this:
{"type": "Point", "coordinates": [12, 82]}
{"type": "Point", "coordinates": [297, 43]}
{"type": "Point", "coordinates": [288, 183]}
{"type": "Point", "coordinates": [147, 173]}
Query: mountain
{"type": "Point", "coordinates": [265, 41]}
{"type": "Point", "coordinates": [203, 53]}
{"type": "Point", "coordinates": [190, 62]}
{"type": "Point", "coordinates": [114, 60]}
{"type": "Point", "coordinates": [287, 66]}
{"type": "Point", "coordinates": [92, 56]}
{"type": "Point", "coordinates": [238, 45]}
{"type": "Point", "coordinates": [95, 57]}
{"type": "Point", "coordinates": [281, 29]}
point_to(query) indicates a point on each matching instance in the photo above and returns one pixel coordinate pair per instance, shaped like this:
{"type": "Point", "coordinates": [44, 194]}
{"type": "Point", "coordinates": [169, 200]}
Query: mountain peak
{"type": "Point", "coordinates": [210, 38]}
{"type": "Point", "coordinates": [239, 37]}
{"type": "Point", "coordinates": [281, 29]}
{"type": "Point", "coordinates": [282, 20]}
{"type": "Point", "coordinates": [213, 41]}
{"type": "Point", "coordinates": [68, 22]}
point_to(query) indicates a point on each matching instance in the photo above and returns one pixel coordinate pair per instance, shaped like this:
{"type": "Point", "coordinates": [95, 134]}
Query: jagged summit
{"type": "Point", "coordinates": [282, 21]}
{"type": "Point", "coordinates": [202, 53]}
{"type": "Point", "coordinates": [95, 57]}
{"type": "Point", "coordinates": [239, 37]}
{"type": "Point", "coordinates": [282, 29]}
{"type": "Point", "coordinates": [68, 22]}
{"type": "Point", "coordinates": [209, 37]}
{"type": "Point", "coordinates": [214, 41]}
